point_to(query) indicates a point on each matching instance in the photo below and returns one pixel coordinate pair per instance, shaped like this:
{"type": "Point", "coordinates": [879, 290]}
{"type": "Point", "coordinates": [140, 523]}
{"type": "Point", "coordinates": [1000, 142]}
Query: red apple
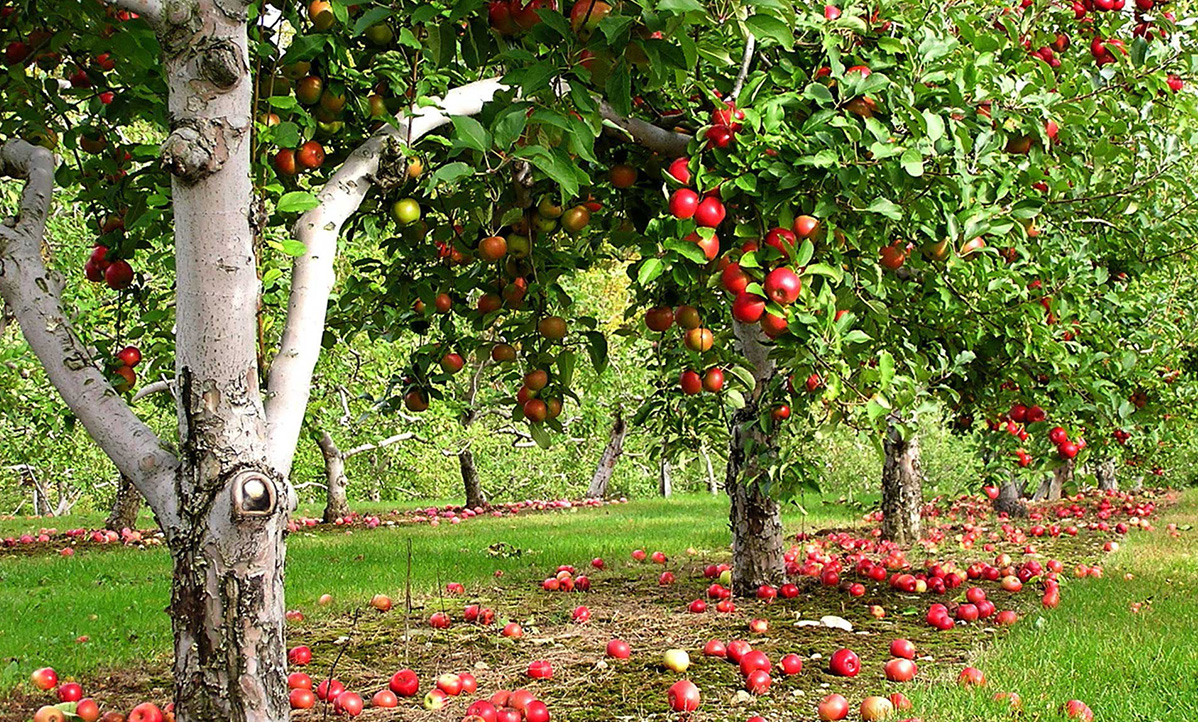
{"type": "Point", "coordinates": [845, 663]}
{"type": "Point", "coordinates": [833, 707]}
{"type": "Point", "coordinates": [683, 696]}
{"type": "Point", "coordinates": [782, 286]}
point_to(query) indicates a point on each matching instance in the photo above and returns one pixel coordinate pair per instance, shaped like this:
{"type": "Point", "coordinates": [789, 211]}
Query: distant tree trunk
{"type": "Point", "coordinates": [902, 488]}
{"type": "Point", "coordinates": [1008, 499]}
{"type": "Point", "coordinates": [607, 460]}
{"type": "Point", "coordinates": [1051, 486]}
{"type": "Point", "coordinates": [1105, 472]}
{"type": "Point", "coordinates": [336, 501]}
{"type": "Point", "coordinates": [474, 487]}
{"type": "Point", "coordinates": [754, 516]}
{"type": "Point", "coordinates": [125, 506]}
{"type": "Point", "coordinates": [665, 483]}
{"type": "Point", "coordinates": [713, 486]}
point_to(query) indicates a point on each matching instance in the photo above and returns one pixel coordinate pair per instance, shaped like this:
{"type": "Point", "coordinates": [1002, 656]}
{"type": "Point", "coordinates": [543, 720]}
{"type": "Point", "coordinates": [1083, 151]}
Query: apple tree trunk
{"type": "Point", "coordinates": [902, 488]}
{"type": "Point", "coordinates": [125, 506]}
{"type": "Point", "coordinates": [336, 484]}
{"type": "Point", "coordinates": [665, 479]}
{"type": "Point", "coordinates": [474, 486]}
{"type": "Point", "coordinates": [607, 460]}
{"type": "Point", "coordinates": [1008, 497]}
{"type": "Point", "coordinates": [1105, 472]}
{"type": "Point", "coordinates": [754, 516]}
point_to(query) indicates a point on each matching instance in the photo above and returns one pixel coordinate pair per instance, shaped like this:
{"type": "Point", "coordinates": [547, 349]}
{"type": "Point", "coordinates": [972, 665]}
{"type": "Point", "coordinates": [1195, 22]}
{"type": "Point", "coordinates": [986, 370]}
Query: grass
{"type": "Point", "coordinates": [117, 597]}
{"type": "Point", "coordinates": [1127, 666]}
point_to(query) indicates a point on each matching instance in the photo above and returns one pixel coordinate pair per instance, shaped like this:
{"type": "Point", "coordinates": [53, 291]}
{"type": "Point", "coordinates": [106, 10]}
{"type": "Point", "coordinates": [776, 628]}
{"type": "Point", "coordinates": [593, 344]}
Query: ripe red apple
{"type": "Point", "coordinates": [833, 707]}
{"type": "Point", "coordinates": [748, 308]}
{"type": "Point", "coordinates": [47, 713]}
{"type": "Point", "coordinates": [791, 664]}
{"type": "Point", "coordinates": [698, 606]}
{"type": "Point", "coordinates": [781, 239]}
{"type": "Point", "coordinates": [299, 680]}
{"type": "Point", "coordinates": [758, 682]}
{"type": "Point", "coordinates": [1076, 709]}
{"type": "Point", "coordinates": [902, 648]}
{"type": "Point", "coordinates": [119, 275]}
{"type": "Point", "coordinates": [44, 679]}
{"type": "Point", "coordinates": [581, 614]}
{"type": "Point", "coordinates": [734, 279]}
{"type": "Point", "coordinates": [900, 670]}
{"type": "Point", "coordinates": [971, 677]}
{"type": "Point", "coordinates": [782, 286]}
{"type": "Point", "coordinates": [349, 703]}
{"type": "Point", "coordinates": [130, 356]}
{"type": "Point", "coordinates": [384, 698]}
{"type": "Point", "coordinates": [618, 649]}
{"type": "Point", "coordinates": [145, 712]}
{"type": "Point", "coordinates": [710, 213]}
{"type": "Point", "coordinates": [683, 696]}
{"type": "Point", "coordinates": [658, 557]}
{"type": "Point", "coordinates": [691, 383]}
{"type": "Point", "coordinates": [752, 661]}
{"type": "Point", "coordinates": [684, 202]}
{"type": "Point", "coordinates": [679, 171]}
{"type": "Point", "coordinates": [70, 692]}
{"type": "Point", "coordinates": [439, 620]}
{"type": "Point", "coordinates": [540, 669]}
{"type": "Point", "coordinates": [302, 699]}
{"type": "Point", "coordinates": [87, 710]}
{"type": "Point", "coordinates": [713, 380]}
{"type": "Point", "coordinates": [845, 663]}
{"type": "Point", "coordinates": [299, 656]}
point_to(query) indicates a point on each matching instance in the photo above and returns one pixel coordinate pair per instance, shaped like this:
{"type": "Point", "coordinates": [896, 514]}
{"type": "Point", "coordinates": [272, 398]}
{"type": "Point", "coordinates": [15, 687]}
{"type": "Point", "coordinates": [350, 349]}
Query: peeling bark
{"type": "Point", "coordinates": [713, 486]}
{"type": "Point", "coordinates": [336, 502]}
{"type": "Point", "coordinates": [755, 517]}
{"type": "Point", "coordinates": [1106, 474]}
{"type": "Point", "coordinates": [902, 488]}
{"type": "Point", "coordinates": [607, 460]}
{"type": "Point", "coordinates": [125, 506]}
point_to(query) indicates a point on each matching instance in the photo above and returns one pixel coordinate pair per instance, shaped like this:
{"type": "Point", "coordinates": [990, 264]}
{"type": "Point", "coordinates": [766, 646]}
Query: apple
{"type": "Point", "coordinates": [44, 679]}
{"type": "Point", "coordinates": [581, 614]}
{"type": "Point", "coordinates": [311, 156]}
{"type": "Point", "coordinates": [758, 626]}
{"type": "Point", "coordinates": [676, 660]}
{"type": "Point", "coordinates": [713, 380]}
{"type": "Point", "coordinates": [791, 664]}
{"type": "Point", "coordinates": [87, 710]}
{"type": "Point", "coordinates": [683, 696]}
{"type": "Point", "coordinates": [145, 712]}
{"type": "Point", "coordinates": [781, 240]}
{"type": "Point", "coordinates": [512, 630]}
{"type": "Point", "coordinates": [299, 680]}
{"type": "Point", "coordinates": [440, 620]}
{"type": "Point", "coordinates": [118, 275]}
{"type": "Point", "coordinates": [734, 279]}
{"type": "Point", "coordinates": [70, 692]}
{"type": "Point", "coordinates": [699, 340]}
{"type": "Point", "coordinates": [715, 648]}
{"type": "Point", "coordinates": [597, 563]}
{"type": "Point", "coordinates": [788, 591]}
{"type": "Point", "coordinates": [659, 318]}
{"type": "Point", "coordinates": [381, 602]}
{"type": "Point", "coordinates": [658, 557]}
{"type": "Point", "coordinates": [900, 670]}
{"type": "Point", "coordinates": [325, 600]}
{"type": "Point", "coordinates": [435, 700]}
{"type": "Point", "coordinates": [679, 170]}
{"type": "Point", "coordinates": [709, 213]}
{"type": "Point", "coordinates": [404, 683]}
{"type": "Point", "coordinates": [618, 649]}
{"type": "Point", "coordinates": [684, 202]}
{"type": "Point", "coordinates": [1006, 618]}
{"type": "Point", "coordinates": [585, 15]}
{"type": "Point", "coordinates": [1076, 709]}
{"type": "Point", "coordinates": [690, 382]}
{"type": "Point", "coordinates": [349, 703]}
{"type": "Point", "coordinates": [540, 669]}
{"type": "Point", "coordinates": [1013, 700]}
{"type": "Point", "coordinates": [876, 708]}
{"type": "Point", "coordinates": [302, 699]}
{"type": "Point", "coordinates": [752, 661]}
{"type": "Point", "coordinates": [833, 707]}
{"type": "Point", "coordinates": [130, 356]}
{"type": "Point", "coordinates": [971, 677]}
{"type": "Point", "coordinates": [469, 683]}
{"type": "Point", "coordinates": [902, 648]}
{"type": "Point", "coordinates": [329, 689]}
{"type": "Point", "coordinates": [782, 286]}
{"type": "Point", "coordinates": [450, 684]}
{"type": "Point", "coordinates": [638, 555]}
{"type": "Point", "coordinates": [806, 227]}
{"type": "Point", "coordinates": [758, 682]}
{"type": "Point", "coordinates": [845, 663]}
{"type": "Point", "coordinates": [299, 656]}
{"type": "Point", "coordinates": [748, 308]}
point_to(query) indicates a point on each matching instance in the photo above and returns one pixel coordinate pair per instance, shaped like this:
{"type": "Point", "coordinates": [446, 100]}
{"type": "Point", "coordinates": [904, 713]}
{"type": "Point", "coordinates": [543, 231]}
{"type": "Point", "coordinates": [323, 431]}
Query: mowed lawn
{"type": "Point", "coordinates": [1128, 666]}
{"type": "Point", "coordinates": [117, 597]}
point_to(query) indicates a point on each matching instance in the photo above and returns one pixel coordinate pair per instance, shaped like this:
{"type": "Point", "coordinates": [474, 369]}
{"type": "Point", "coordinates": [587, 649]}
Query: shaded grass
{"type": "Point", "coordinates": [1127, 666]}
{"type": "Point", "coordinates": [117, 597]}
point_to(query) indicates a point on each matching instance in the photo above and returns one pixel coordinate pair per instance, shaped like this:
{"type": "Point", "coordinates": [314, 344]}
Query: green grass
{"type": "Point", "coordinates": [1126, 666]}
{"type": "Point", "coordinates": [117, 597]}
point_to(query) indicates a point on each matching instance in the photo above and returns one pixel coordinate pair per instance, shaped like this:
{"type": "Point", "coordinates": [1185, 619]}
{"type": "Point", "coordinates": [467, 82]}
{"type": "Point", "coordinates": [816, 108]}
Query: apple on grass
{"type": "Point", "coordinates": [683, 696]}
{"type": "Point", "coordinates": [676, 660]}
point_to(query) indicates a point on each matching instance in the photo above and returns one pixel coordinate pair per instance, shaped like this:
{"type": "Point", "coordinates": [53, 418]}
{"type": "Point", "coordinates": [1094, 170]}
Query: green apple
{"type": "Point", "coordinates": [676, 660]}
{"type": "Point", "coordinates": [406, 211]}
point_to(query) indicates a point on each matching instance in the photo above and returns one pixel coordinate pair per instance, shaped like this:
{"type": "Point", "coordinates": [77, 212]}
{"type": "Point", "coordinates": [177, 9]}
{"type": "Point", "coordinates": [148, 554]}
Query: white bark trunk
{"type": "Point", "coordinates": [665, 482]}
{"type": "Point", "coordinates": [336, 503]}
{"type": "Point", "coordinates": [607, 460]}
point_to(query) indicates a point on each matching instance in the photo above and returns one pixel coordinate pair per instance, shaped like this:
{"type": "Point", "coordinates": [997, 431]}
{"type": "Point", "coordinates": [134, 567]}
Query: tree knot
{"type": "Point", "coordinates": [197, 148]}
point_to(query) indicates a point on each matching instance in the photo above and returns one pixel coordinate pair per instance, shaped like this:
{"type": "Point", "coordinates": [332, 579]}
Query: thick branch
{"type": "Point", "coordinates": [149, 10]}
{"type": "Point", "coordinates": [33, 294]}
{"type": "Point", "coordinates": [312, 275]}
{"type": "Point", "coordinates": [385, 442]}
{"type": "Point", "coordinates": [663, 141]}
{"type": "Point", "coordinates": [156, 387]}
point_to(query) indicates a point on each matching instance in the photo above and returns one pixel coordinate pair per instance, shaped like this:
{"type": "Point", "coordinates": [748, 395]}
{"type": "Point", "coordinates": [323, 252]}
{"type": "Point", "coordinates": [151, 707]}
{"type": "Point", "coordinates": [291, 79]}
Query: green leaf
{"type": "Point", "coordinates": [556, 165]}
{"type": "Point", "coordinates": [305, 47]}
{"type": "Point", "coordinates": [734, 400]}
{"type": "Point", "coordinates": [885, 369]}
{"type": "Point", "coordinates": [508, 127]}
{"type": "Point", "coordinates": [935, 125]}
{"type": "Point", "coordinates": [886, 208]}
{"type": "Point", "coordinates": [286, 135]}
{"type": "Point", "coordinates": [449, 173]}
{"type": "Point", "coordinates": [540, 435]}
{"type": "Point", "coordinates": [912, 162]}
{"type": "Point", "coordinates": [768, 27]}
{"type": "Point", "coordinates": [566, 361]}
{"type": "Point", "coordinates": [371, 17]}
{"type": "Point", "coordinates": [297, 202]}
{"type": "Point", "coordinates": [597, 350]}
{"type": "Point", "coordinates": [619, 88]}
{"type": "Point", "coordinates": [819, 93]}
{"type": "Point", "coordinates": [441, 44]}
{"type": "Point", "coordinates": [680, 7]}
{"type": "Point", "coordinates": [471, 134]}
{"type": "Point", "coordinates": [650, 269]}
{"type": "Point", "coordinates": [822, 269]}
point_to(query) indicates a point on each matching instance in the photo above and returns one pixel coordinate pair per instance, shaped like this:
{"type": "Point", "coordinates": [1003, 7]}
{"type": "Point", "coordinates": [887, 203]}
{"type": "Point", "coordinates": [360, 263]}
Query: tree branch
{"type": "Point", "coordinates": [149, 10]}
{"type": "Point", "coordinates": [312, 274]}
{"type": "Point", "coordinates": [745, 64]}
{"type": "Point", "coordinates": [386, 442]}
{"type": "Point", "coordinates": [156, 387]}
{"type": "Point", "coordinates": [666, 142]}
{"type": "Point", "coordinates": [34, 296]}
